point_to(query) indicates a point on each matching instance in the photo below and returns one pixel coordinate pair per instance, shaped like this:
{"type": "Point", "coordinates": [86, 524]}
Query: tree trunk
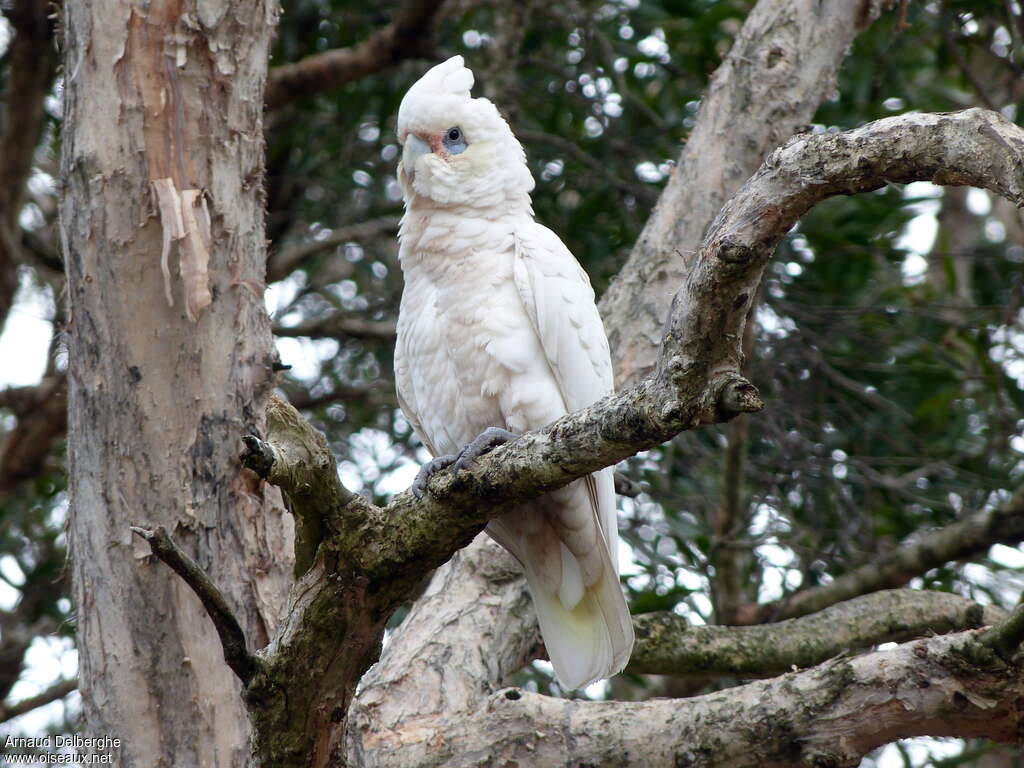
{"type": "Point", "coordinates": [170, 363]}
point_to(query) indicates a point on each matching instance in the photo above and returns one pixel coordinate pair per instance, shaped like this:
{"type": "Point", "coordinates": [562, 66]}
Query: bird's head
{"type": "Point", "coordinates": [457, 150]}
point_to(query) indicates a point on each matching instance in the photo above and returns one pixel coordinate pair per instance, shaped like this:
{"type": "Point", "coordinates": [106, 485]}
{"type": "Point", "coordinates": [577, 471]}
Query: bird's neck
{"type": "Point", "coordinates": [435, 234]}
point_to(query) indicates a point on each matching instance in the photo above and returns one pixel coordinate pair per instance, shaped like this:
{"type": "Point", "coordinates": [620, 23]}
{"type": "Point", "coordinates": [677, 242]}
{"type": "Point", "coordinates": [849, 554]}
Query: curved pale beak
{"type": "Point", "coordinates": [414, 149]}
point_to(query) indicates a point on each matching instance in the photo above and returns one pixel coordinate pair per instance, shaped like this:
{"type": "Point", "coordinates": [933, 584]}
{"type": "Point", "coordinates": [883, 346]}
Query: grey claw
{"type": "Point", "coordinates": [486, 441]}
{"type": "Point", "coordinates": [419, 485]}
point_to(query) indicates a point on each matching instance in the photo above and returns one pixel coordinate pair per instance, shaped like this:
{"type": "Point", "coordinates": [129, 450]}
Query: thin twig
{"type": "Point", "coordinates": [341, 326]}
{"type": "Point", "coordinates": [284, 261]}
{"type": "Point", "coordinates": [56, 691]}
{"type": "Point", "coordinates": [973, 534]}
{"type": "Point", "coordinates": [232, 639]}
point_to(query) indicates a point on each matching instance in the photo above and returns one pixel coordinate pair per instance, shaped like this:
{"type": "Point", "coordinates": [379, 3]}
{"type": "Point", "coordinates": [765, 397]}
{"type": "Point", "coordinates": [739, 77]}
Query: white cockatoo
{"type": "Point", "coordinates": [497, 334]}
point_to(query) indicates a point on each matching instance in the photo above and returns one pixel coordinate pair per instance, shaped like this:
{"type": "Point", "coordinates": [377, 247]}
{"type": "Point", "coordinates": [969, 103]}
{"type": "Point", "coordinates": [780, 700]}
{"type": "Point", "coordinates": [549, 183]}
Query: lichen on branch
{"type": "Point", "coordinates": [667, 645]}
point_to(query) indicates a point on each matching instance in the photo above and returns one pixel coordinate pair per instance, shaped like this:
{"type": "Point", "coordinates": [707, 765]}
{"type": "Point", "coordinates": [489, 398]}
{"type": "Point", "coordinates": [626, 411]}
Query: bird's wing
{"type": "Point", "coordinates": [559, 301]}
{"type": "Point", "coordinates": [567, 540]}
{"type": "Point", "coordinates": [411, 332]}
{"type": "Point", "coordinates": [413, 419]}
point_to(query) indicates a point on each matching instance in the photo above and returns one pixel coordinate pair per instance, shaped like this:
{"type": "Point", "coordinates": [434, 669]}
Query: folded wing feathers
{"type": "Point", "coordinates": [591, 638]}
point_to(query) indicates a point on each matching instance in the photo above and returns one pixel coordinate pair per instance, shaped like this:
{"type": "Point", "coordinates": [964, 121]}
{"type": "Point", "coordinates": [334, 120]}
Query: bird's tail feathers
{"type": "Point", "coordinates": [591, 641]}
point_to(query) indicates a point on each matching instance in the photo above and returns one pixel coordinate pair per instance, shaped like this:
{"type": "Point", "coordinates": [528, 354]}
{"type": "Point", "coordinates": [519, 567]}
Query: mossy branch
{"type": "Point", "coordinates": [667, 645]}
{"type": "Point", "coordinates": [1005, 637]}
{"type": "Point", "coordinates": [830, 715]}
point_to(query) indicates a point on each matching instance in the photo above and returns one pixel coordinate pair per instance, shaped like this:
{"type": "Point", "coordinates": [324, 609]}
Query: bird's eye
{"type": "Point", "coordinates": [454, 141]}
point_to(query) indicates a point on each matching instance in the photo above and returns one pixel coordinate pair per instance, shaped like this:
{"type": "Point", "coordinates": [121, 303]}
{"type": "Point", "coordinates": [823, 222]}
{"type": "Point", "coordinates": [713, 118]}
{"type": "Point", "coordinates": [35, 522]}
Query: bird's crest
{"type": "Point", "coordinates": [449, 78]}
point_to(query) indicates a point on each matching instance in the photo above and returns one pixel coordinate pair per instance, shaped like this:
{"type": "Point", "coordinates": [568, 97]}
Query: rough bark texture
{"type": "Point", "coordinates": [471, 629]}
{"type": "Point", "coordinates": [781, 67]}
{"type": "Point", "coordinates": [162, 162]}
{"type": "Point", "coordinates": [831, 715]}
{"type": "Point", "coordinates": [667, 645]}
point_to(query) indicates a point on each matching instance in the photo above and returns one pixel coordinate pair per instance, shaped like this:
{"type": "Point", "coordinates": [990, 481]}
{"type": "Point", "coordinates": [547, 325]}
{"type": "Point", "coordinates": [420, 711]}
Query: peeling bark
{"type": "Point", "coordinates": [171, 90]}
{"type": "Point", "coordinates": [831, 715]}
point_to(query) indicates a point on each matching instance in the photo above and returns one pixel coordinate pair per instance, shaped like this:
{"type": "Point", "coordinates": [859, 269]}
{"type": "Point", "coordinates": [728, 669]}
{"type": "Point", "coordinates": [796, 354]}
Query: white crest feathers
{"type": "Point", "coordinates": [449, 78]}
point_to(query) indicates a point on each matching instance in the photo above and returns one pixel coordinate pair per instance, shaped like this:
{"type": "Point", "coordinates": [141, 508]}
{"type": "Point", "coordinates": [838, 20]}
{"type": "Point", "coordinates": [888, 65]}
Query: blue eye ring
{"type": "Point", "coordinates": [454, 140]}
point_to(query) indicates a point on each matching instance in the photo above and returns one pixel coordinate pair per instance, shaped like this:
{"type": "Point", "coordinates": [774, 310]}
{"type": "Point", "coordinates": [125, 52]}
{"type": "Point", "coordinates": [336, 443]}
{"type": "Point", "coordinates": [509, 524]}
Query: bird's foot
{"type": "Point", "coordinates": [485, 442]}
{"type": "Point", "coordinates": [428, 470]}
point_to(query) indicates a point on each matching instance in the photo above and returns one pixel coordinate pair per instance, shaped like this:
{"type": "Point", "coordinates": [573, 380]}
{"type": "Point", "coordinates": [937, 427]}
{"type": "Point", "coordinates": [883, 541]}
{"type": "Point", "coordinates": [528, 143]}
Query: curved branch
{"type": "Point", "coordinates": [667, 645]}
{"type": "Point", "coordinates": [958, 541]}
{"type": "Point", "coordinates": [831, 715]}
{"type": "Point", "coordinates": [782, 65]}
{"type": "Point", "coordinates": [407, 37]}
{"type": "Point", "coordinates": [296, 458]}
{"type": "Point", "coordinates": [697, 380]}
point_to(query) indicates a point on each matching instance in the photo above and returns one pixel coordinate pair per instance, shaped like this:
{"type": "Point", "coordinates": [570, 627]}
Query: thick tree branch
{"type": "Point", "coordinates": [696, 380]}
{"type": "Point", "coordinates": [831, 715]}
{"type": "Point", "coordinates": [958, 541]}
{"type": "Point", "coordinates": [55, 692]}
{"type": "Point", "coordinates": [667, 645]}
{"type": "Point", "coordinates": [781, 67]}
{"type": "Point", "coordinates": [298, 460]}
{"type": "Point", "coordinates": [408, 36]}
{"type": "Point", "coordinates": [476, 615]}
{"type": "Point", "coordinates": [232, 638]}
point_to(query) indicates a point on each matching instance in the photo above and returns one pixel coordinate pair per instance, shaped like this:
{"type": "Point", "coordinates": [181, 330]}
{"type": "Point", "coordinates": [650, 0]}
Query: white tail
{"type": "Point", "coordinates": [586, 628]}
